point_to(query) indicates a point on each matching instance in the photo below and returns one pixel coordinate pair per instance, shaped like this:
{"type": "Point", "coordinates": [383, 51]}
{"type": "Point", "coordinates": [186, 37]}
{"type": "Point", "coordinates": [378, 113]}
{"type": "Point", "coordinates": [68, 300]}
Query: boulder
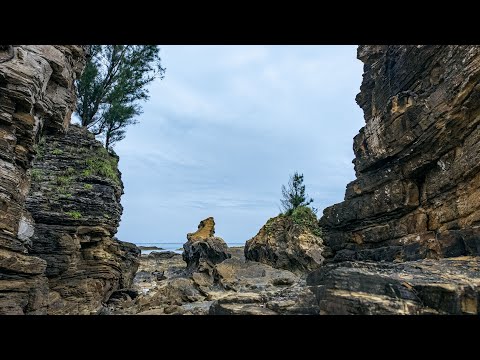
{"type": "Point", "coordinates": [203, 250]}
{"type": "Point", "coordinates": [288, 242]}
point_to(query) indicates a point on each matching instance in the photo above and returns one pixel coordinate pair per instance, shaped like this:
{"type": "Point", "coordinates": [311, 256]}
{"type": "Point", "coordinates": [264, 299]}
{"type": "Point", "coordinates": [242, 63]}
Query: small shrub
{"type": "Point", "coordinates": [102, 164]}
{"type": "Point", "coordinates": [70, 171]}
{"type": "Point", "coordinates": [39, 150]}
{"type": "Point", "coordinates": [88, 186]}
{"type": "Point", "coordinates": [74, 214]}
{"type": "Point", "coordinates": [57, 152]}
{"type": "Point", "coordinates": [64, 180]}
{"type": "Point", "coordinates": [304, 216]}
{"type": "Point", "coordinates": [37, 175]}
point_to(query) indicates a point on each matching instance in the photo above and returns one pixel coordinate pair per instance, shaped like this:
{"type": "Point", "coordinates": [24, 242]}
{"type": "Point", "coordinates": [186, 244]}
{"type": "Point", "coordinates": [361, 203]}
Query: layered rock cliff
{"type": "Point", "coordinates": [406, 239]}
{"type": "Point", "coordinates": [36, 92]}
{"type": "Point", "coordinates": [76, 213]}
{"type": "Point", "coordinates": [417, 160]}
{"type": "Point", "coordinates": [75, 203]}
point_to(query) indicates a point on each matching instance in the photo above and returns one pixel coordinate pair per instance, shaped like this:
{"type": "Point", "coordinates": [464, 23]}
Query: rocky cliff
{"type": "Point", "coordinates": [36, 92]}
{"type": "Point", "coordinates": [417, 160]}
{"type": "Point", "coordinates": [37, 99]}
{"type": "Point", "coordinates": [75, 203]}
{"type": "Point", "coordinates": [406, 239]}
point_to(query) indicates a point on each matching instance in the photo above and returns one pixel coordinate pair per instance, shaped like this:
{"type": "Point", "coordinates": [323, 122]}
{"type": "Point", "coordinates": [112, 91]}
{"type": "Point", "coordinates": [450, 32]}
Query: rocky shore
{"type": "Point", "coordinates": [164, 286]}
{"type": "Point", "coordinates": [405, 240]}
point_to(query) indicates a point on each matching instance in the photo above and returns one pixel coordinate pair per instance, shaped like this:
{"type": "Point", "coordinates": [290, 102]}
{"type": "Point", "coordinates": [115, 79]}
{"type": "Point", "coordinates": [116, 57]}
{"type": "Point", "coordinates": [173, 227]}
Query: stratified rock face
{"type": "Point", "coordinates": [75, 203]}
{"type": "Point", "coordinates": [445, 286]}
{"type": "Point", "coordinates": [417, 160]}
{"type": "Point", "coordinates": [36, 91]}
{"type": "Point", "coordinates": [284, 244]}
{"type": "Point", "coordinates": [203, 250]}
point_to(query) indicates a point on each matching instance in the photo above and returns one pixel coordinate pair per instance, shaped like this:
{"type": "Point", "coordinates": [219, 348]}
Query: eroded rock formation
{"type": "Point", "coordinates": [284, 242]}
{"type": "Point", "coordinates": [75, 203]}
{"type": "Point", "coordinates": [63, 259]}
{"type": "Point", "coordinates": [203, 250]}
{"type": "Point", "coordinates": [414, 209]}
{"type": "Point", "coordinates": [36, 93]}
{"type": "Point", "coordinates": [445, 286]}
{"type": "Point", "coordinates": [417, 160]}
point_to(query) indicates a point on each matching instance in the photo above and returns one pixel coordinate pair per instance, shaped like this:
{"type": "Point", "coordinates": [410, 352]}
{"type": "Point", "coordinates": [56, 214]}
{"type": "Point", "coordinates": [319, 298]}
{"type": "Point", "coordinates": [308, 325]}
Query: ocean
{"type": "Point", "coordinates": [175, 247]}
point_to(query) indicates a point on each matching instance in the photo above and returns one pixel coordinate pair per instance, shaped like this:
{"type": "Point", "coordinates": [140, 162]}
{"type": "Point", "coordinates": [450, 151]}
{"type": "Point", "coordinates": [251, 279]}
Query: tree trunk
{"type": "Point", "coordinates": [107, 139]}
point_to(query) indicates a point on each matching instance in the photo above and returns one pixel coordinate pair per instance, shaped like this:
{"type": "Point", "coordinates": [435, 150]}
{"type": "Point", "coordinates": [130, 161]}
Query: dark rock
{"type": "Point", "coordinates": [149, 247]}
{"type": "Point", "coordinates": [284, 244]}
{"type": "Point", "coordinates": [75, 203]}
{"type": "Point", "coordinates": [445, 286]}
{"type": "Point", "coordinates": [203, 250]}
{"type": "Point", "coordinates": [159, 275]}
{"type": "Point", "coordinates": [162, 255]}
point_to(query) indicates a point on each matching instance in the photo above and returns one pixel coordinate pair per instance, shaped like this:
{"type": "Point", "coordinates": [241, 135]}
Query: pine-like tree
{"type": "Point", "coordinates": [294, 196]}
{"type": "Point", "coordinates": [113, 82]}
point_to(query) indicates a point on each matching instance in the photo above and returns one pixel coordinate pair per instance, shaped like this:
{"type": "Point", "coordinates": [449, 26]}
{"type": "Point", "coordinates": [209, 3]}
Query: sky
{"type": "Point", "coordinates": [226, 127]}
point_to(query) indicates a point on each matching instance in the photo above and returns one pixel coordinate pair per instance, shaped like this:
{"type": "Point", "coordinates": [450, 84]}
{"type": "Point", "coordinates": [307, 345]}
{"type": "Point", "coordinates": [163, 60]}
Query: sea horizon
{"type": "Point", "coordinates": [175, 246]}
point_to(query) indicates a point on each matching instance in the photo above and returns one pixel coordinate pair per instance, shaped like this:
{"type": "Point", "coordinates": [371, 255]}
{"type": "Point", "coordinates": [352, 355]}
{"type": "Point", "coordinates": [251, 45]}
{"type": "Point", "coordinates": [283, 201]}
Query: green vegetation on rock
{"type": "Point", "coordinates": [57, 152]}
{"type": "Point", "coordinates": [74, 214]}
{"type": "Point", "coordinates": [304, 216]}
{"type": "Point", "coordinates": [102, 164]}
{"type": "Point", "coordinates": [88, 186]}
{"type": "Point", "coordinates": [36, 174]}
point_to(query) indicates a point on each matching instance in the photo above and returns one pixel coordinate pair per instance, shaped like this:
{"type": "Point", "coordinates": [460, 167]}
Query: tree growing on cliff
{"type": "Point", "coordinates": [294, 195]}
{"type": "Point", "coordinates": [113, 83]}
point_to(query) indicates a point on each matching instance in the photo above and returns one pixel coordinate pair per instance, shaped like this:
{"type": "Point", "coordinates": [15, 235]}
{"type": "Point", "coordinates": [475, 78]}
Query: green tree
{"type": "Point", "coordinates": [113, 82]}
{"type": "Point", "coordinates": [294, 196]}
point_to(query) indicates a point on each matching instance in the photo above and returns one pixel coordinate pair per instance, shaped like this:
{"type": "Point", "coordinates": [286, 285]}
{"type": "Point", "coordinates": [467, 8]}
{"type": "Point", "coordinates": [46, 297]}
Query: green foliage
{"type": "Point", "coordinates": [294, 196]}
{"type": "Point", "coordinates": [40, 148]}
{"type": "Point", "coordinates": [63, 180]}
{"type": "Point", "coordinates": [57, 152]}
{"type": "Point", "coordinates": [74, 214]}
{"type": "Point", "coordinates": [88, 186]}
{"type": "Point", "coordinates": [114, 80]}
{"type": "Point", "coordinates": [102, 164]}
{"type": "Point", "coordinates": [304, 216]}
{"type": "Point", "coordinates": [37, 175]}
{"type": "Point", "coordinates": [70, 171]}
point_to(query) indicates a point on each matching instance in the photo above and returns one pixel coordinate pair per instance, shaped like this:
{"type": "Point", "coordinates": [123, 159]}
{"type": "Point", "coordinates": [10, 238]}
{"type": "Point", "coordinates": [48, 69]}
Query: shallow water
{"type": "Point", "coordinates": [175, 247]}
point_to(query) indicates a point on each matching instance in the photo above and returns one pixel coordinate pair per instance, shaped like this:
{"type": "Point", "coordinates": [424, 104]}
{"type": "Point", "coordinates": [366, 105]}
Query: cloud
{"type": "Point", "coordinates": [224, 129]}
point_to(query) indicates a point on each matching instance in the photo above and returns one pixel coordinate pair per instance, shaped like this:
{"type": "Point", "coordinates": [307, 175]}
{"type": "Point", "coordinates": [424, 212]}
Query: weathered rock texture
{"type": "Point", "coordinates": [417, 160]}
{"type": "Point", "coordinates": [203, 250]}
{"type": "Point", "coordinates": [36, 92]}
{"type": "Point", "coordinates": [445, 286]}
{"type": "Point", "coordinates": [285, 244]}
{"type": "Point", "coordinates": [75, 195]}
{"type": "Point", "coordinates": [75, 203]}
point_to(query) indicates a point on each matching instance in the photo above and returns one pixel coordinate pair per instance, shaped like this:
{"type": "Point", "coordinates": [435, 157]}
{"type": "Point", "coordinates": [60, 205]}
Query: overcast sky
{"type": "Point", "coordinates": [225, 128]}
